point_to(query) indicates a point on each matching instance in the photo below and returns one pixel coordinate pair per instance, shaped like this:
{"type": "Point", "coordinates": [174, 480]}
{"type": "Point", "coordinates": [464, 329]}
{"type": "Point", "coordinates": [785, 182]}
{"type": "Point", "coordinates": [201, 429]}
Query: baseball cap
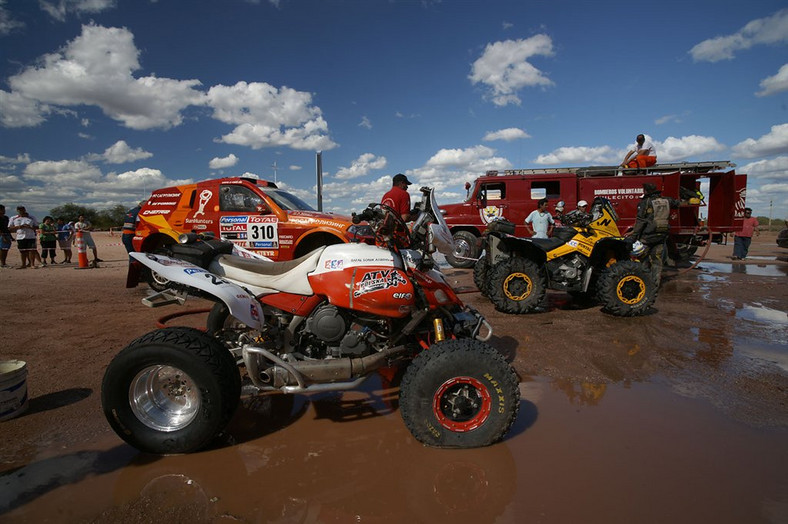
{"type": "Point", "coordinates": [582, 203]}
{"type": "Point", "coordinates": [399, 177]}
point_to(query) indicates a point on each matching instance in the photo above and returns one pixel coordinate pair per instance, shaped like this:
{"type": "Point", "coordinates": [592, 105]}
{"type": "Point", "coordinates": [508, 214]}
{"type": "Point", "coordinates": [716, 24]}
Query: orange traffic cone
{"type": "Point", "coordinates": [82, 254]}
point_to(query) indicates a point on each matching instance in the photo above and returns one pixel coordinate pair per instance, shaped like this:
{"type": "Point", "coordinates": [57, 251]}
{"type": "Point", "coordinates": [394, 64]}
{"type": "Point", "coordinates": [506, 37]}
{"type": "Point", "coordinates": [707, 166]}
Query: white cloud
{"type": "Point", "coordinates": [7, 23]}
{"type": "Point", "coordinates": [77, 173]}
{"type": "Point", "coordinates": [452, 167]}
{"type": "Point", "coordinates": [773, 143]}
{"type": "Point", "coordinates": [96, 69]}
{"type": "Point", "coordinates": [581, 155]}
{"type": "Point", "coordinates": [509, 134]}
{"type": "Point", "coordinates": [121, 153]}
{"type": "Point", "coordinates": [10, 161]}
{"type": "Point", "coordinates": [60, 9]}
{"type": "Point", "coordinates": [769, 169]}
{"type": "Point", "coordinates": [775, 84]}
{"type": "Point", "coordinates": [221, 163]}
{"type": "Point", "coordinates": [674, 149]}
{"type": "Point", "coordinates": [294, 167]}
{"type": "Point", "coordinates": [365, 123]}
{"type": "Point", "coordinates": [769, 30]}
{"type": "Point", "coordinates": [361, 166]}
{"type": "Point", "coordinates": [504, 68]}
{"type": "Point", "coordinates": [265, 116]}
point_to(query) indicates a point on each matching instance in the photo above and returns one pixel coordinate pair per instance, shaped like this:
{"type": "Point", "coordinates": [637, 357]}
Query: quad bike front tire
{"type": "Point", "coordinates": [459, 393]}
{"type": "Point", "coordinates": [172, 390]}
{"type": "Point", "coordinates": [481, 271]}
{"type": "Point", "coordinates": [627, 289]}
{"type": "Point", "coordinates": [516, 285]}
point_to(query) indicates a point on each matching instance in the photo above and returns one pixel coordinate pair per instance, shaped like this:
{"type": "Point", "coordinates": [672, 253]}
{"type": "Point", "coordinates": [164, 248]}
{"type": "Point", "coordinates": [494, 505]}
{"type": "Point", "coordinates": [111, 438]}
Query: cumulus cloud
{"type": "Point", "coordinates": [96, 69]}
{"type": "Point", "coordinates": [266, 116]}
{"type": "Point", "coordinates": [504, 68]}
{"type": "Point", "coordinates": [509, 134]}
{"type": "Point", "coordinates": [770, 169]}
{"type": "Point", "coordinates": [223, 162]}
{"type": "Point", "coordinates": [775, 84]}
{"type": "Point", "coordinates": [449, 167]}
{"type": "Point", "coordinates": [63, 172]}
{"type": "Point", "coordinates": [674, 149]}
{"type": "Point", "coordinates": [773, 143]}
{"type": "Point", "coordinates": [361, 166]}
{"type": "Point", "coordinates": [60, 9]}
{"type": "Point", "coordinates": [121, 153]}
{"type": "Point", "coordinates": [770, 30]}
{"type": "Point", "coordinates": [581, 155]}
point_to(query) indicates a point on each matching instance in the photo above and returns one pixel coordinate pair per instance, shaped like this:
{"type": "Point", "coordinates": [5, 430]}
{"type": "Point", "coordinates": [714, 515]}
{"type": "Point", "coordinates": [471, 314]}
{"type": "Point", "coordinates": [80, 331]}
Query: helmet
{"type": "Point", "coordinates": [560, 204]}
{"type": "Point", "coordinates": [582, 203]}
{"type": "Point", "coordinates": [638, 248]}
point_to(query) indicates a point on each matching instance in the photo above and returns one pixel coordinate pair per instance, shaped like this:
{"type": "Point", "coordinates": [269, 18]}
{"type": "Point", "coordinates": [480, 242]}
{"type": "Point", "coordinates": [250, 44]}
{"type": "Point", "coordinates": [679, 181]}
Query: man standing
{"type": "Point", "coordinates": [540, 223]}
{"type": "Point", "coordinates": [643, 154]}
{"type": "Point", "coordinates": [743, 238]}
{"type": "Point", "coordinates": [652, 225]}
{"type": "Point", "coordinates": [25, 226]}
{"type": "Point", "coordinates": [130, 226]}
{"type": "Point", "coordinates": [5, 237]}
{"type": "Point", "coordinates": [397, 198]}
{"type": "Point", "coordinates": [84, 226]}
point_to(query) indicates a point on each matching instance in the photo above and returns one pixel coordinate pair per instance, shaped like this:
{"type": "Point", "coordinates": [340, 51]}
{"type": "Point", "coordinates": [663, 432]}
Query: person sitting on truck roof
{"type": "Point", "coordinates": [397, 198]}
{"type": "Point", "coordinates": [643, 154]}
{"type": "Point", "coordinates": [540, 223]}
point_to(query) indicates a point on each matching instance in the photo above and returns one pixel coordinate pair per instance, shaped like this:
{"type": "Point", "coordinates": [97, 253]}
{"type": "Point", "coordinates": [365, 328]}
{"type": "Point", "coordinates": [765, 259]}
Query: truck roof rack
{"type": "Point", "coordinates": [684, 167]}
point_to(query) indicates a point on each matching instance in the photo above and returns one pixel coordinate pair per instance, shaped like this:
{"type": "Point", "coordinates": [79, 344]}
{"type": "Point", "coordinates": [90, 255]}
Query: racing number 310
{"type": "Point", "coordinates": [262, 231]}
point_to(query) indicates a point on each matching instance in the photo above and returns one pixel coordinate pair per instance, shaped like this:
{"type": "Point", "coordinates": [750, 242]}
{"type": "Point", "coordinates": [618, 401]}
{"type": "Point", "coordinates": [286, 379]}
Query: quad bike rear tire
{"type": "Point", "coordinates": [481, 272]}
{"type": "Point", "coordinates": [459, 393]}
{"type": "Point", "coordinates": [516, 285]}
{"type": "Point", "coordinates": [172, 390]}
{"type": "Point", "coordinates": [627, 289]}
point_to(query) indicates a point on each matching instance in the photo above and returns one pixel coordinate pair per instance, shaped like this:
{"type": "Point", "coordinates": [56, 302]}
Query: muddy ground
{"type": "Point", "coordinates": [680, 415]}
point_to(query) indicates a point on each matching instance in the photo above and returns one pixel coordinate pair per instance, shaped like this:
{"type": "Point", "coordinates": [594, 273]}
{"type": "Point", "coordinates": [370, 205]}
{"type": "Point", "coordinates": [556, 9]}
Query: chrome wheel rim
{"type": "Point", "coordinates": [164, 398]}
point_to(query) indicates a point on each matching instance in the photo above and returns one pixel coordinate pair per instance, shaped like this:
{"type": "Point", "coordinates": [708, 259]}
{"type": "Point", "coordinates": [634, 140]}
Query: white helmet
{"type": "Point", "coordinates": [560, 204]}
{"type": "Point", "coordinates": [638, 248]}
{"type": "Point", "coordinates": [582, 203]}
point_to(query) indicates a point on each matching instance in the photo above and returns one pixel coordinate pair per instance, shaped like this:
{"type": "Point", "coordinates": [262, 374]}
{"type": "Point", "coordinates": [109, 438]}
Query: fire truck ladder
{"type": "Point", "coordinates": [684, 167]}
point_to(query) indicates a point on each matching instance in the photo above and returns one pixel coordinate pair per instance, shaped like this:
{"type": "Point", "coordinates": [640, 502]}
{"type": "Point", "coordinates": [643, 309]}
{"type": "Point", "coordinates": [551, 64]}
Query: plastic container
{"type": "Point", "coordinates": [13, 388]}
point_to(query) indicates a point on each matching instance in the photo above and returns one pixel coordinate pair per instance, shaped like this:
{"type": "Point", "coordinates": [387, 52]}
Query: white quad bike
{"type": "Point", "coordinates": [323, 322]}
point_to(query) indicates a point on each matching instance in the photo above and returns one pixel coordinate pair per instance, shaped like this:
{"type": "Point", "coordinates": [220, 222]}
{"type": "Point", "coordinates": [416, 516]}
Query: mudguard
{"type": "Point", "coordinates": [239, 301]}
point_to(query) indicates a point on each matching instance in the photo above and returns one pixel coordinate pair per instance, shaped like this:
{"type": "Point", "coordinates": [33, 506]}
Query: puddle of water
{"type": "Point", "coordinates": [759, 313]}
{"type": "Point", "coordinates": [349, 458]}
{"type": "Point", "coordinates": [761, 270]}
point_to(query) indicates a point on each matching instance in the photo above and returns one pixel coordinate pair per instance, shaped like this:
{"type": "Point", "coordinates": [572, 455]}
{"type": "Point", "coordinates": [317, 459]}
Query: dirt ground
{"type": "Point", "coordinates": [718, 335]}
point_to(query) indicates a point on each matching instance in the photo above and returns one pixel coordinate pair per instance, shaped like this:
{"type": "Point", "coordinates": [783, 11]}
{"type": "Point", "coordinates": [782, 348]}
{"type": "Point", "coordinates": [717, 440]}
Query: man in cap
{"type": "Point", "coordinates": [582, 207]}
{"type": "Point", "coordinates": [652, 225]}
{"type": "Point", "coordinates": [397, 198]}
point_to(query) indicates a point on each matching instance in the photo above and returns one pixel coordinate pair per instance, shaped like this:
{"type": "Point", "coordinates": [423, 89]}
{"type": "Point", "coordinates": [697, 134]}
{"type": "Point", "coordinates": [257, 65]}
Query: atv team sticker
{"type": "Point", "coordinates": [259, 232]}
{"type": "Point", "coordinates": [377, 280]}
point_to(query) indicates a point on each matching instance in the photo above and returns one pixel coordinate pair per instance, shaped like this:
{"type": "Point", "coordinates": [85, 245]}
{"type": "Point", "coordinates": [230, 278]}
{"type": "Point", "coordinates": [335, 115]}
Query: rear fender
{"type": "Point", "coordinates": [239, 301]}
{"type": "Point", "coordinates": [504, 246]}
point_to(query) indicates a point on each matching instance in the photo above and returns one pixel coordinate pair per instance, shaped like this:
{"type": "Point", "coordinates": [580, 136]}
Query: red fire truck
{"type": "Point", "coordinates": [513, 194]}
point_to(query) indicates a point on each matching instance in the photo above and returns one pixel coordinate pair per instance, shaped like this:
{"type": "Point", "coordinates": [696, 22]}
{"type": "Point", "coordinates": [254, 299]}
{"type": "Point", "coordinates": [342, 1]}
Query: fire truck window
{"type": "Point", "coordinates": [551, 190]}
{"type": "Point", "coordinates": [495, 191]}
{"type": "Point", "coordinates": [239, 198]}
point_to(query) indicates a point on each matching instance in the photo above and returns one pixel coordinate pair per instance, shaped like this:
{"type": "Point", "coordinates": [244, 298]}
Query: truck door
{"type": "Point", "coordinates": [246, 219]}
{"type": "Point", "coordinates": [492, 202]}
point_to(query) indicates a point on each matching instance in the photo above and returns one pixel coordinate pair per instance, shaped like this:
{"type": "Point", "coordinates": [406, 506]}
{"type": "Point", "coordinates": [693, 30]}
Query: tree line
{"type": "Point", "coordinates": [102, 219]}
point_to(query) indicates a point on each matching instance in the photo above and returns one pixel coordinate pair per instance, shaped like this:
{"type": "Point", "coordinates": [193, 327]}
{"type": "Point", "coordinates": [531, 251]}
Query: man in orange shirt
{"type": "Point", "coordinates": [742, 239]}
{"type": "Point", "coordinates": [397, 197]}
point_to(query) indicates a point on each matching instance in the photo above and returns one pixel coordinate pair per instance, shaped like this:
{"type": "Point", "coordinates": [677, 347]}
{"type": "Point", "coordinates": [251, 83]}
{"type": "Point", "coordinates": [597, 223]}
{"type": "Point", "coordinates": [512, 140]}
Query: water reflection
{"type": "Point", "coordinates": [762, 270]}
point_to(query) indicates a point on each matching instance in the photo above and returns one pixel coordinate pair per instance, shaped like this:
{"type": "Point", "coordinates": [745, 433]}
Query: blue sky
{"type": "Point", "coordinates": [102, 101]}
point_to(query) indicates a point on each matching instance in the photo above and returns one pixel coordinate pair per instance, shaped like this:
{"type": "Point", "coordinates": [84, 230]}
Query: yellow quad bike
{"type": "Point", "coordinates": [586, 257]}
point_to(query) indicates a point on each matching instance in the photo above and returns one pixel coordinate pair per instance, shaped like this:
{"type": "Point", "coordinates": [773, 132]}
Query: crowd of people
{"type": "Point", "coordinates": [28, 232]}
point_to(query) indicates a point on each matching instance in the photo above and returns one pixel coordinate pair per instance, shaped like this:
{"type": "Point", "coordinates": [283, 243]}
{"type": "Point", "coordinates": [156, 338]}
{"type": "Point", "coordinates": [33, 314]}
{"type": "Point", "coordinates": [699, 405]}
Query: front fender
{"type": "Point", "coordinates": [501, 246]}
{"type": "Point", "coordinates": [239, 301]}
{"type": "Point", "coordinates": [611, 247]}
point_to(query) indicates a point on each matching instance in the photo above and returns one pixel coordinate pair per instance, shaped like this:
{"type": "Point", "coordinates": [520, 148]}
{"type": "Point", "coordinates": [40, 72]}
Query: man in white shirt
{"type": "Point", "coordinates": [643, 154]}
{"type": "Point", "coordinates": [25, 226]}
{"type": "Point", "coordinates": [540, 222]}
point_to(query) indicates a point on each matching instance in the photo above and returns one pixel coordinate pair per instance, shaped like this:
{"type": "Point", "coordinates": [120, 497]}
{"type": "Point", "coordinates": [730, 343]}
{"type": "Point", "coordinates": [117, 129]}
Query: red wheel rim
{"type": "Point", "coordinates": [462, 404]}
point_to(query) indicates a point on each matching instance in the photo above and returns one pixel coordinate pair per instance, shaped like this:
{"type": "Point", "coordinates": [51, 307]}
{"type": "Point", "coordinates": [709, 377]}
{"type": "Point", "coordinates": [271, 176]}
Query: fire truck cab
{"type": "Point", "coordinates": [513, 194]}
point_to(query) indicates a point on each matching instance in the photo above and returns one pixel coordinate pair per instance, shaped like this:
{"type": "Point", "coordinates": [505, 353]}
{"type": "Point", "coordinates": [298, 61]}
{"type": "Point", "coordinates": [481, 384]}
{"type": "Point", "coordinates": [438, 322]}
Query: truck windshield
{"type": "Point", "coordinates": [285, 200]}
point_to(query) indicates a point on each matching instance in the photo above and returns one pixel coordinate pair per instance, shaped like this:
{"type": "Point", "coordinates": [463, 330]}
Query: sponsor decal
{"type": "Point", "coordinates": [572, 243]}
{"type": "Point", "coordinates": [198, 221]}
{"type": "Point", "coordinates": [193, 270]}
{"type": "Point", "coordinates": [377, 280]}
{"type": "Point", "coordinates": [242, 219]}
{"type": "Point", "coordinates": [334, 264]}
{"type": "Point", "coordinates": [622, 193]}
{"type": "Point", "coordinates": [205, 196]}
{"type": "Point", "coordinates": [403, 296]}
{"type": "Point", "coordinates": [166, 261]}
{"type": "Point", "coordinates": [491, 213]}
{"type": "Point", "coordinates": [149, 212]}
{"type": "Point", "coordinates": [163, 203]}
{"type": "Point", "coordinates": [166, 195]}
{"type": "Point", "coordinates": [263, 244]}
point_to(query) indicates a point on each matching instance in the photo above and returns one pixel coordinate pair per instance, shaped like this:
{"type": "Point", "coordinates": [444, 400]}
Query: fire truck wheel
{"type": "Point", "coordinates": [465, 247]}
{"type": "Point", "coordinates": [460, 393]}
{"type": "Point", "coordinates": [516, 285]}
{"type": "Point", "coordinates": [627, 289]}
{"type": "Point", "coordinates": [481, 271]}
{"type": "Point", "coordinates": [171, 391]}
